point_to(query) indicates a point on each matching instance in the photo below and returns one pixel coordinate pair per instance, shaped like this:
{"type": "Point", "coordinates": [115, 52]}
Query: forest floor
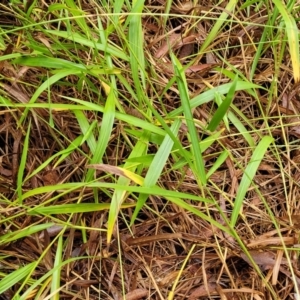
{"type": "Point", "coordinates": [149, 150]}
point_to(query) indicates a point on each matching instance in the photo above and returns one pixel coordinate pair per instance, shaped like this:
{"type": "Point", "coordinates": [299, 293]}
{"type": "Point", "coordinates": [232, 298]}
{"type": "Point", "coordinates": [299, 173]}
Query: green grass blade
{"type": "Point", "coordinates": [48, 62]}
{"type": "Point", "coordinates": [156, 167]}
{"type": "Point", "coordinates": [45, 86]}
{"type": "Point", "coordinates": [210, 95]}
{"type": "Point", "coordinates": [119, 195]}
{"type": "Point", "coordinates": [188, 207]}
{"type": "Point", "coordinates": [79, 16]}
{"type": "Point", "coordinates": [292, 32]}
{"type": "Point", "coordinates": [55, 282]}
{"type": "Point", "coordinates": [182, 87]}
{"type": "Point", "coordinates": [241, 128]}
{"type": "Point", "coordinates": [248, 176]}
{"type": "Point", "coordinates": [69, 187]}
{"type": "Point", "coordinates": [223, 108]}
{"type": "Point", "coordinates": [15, 277]}
{"type": "Point", "coordinates": [137, 54]}
{"type": "Point", "coordinates": [220, 160]}
{"type": "Point", "coordinates": [85, 127]}
{"type": "Point", "coordinates": [22, 165]}
{"type": "Point", "coordinates": [104, 133]}
{"type": "Point", "coordinates": [72, 208]}
{"type": "Point", "coordinates": [93, 44]}
{"type": "Point", "coordinates": [91, 107]}
{"type": "Point", "coordinates": [213, 33]}
{"type": "Point", "coordinates": [24, 232]}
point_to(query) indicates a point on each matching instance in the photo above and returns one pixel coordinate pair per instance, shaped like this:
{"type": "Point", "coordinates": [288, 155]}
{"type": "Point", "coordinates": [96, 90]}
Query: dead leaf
{"type": "Point", "coordinates": [51, 231]}
{"type": "Point", "coordinates": [201, 291]}
{"type": "Point", "coordinates": [170, 42]}
{"type": "Point", "coordinates": [93, 241]}
{"type": "Point", "coordinates": [136, 294]}
{"type": "Point", "coordinates": [259, 242]}
{"type": "Point", "coordinates": [50, 177]}
{"type": "Point", "coordinates": [154, 238]}
{"type": "Point", "coordinates": [294, 218]}
{"type": "Point", "coordinates": [107, 168]}
{"type": "Point", "coordinates": [265, 260]}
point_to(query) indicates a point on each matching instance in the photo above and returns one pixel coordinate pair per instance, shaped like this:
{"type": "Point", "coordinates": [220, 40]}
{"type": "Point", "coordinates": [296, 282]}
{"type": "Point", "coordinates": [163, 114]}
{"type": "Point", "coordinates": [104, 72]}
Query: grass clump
{"type": "Point", "coordinates": [149, 150]}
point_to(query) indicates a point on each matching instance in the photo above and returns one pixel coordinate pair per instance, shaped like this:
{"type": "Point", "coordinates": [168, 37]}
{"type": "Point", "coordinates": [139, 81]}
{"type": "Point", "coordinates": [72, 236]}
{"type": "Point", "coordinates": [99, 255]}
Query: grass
{"type": "Point", "coordinates": [149, 150]}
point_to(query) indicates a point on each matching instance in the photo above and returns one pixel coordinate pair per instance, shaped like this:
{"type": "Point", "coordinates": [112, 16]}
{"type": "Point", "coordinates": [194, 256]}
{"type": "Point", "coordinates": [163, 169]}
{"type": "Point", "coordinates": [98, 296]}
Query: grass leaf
{"type": "Point", "coordinates": [156, 167]}
{"type": "Point", "coordinates": [292, 32]}
{"type": "Point", "coordinates": [15, 277]}
{"type": "Point", "coordinates": [55, 282]}
{"type": "Point", "coordinates": [104, 132]}
{"type": "Point", "coordinates": [223, 108]}
{"type": "Point", "coordinates": [23, 164]}
{"type": "Point", "coordinates": [181, 81]}
{"type": "Point", "coordinates": [248, 176]}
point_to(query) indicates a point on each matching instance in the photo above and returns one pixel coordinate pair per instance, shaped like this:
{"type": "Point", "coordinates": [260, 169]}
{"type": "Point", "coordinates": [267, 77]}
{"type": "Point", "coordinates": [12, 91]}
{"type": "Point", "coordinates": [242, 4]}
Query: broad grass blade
{"type": "Point", "coordinates": [23, 164]}
{"type": "Point", "coordinates": [156, 167]}
{"type": "Point", "coordinates": [85, 129]}
{"type": "Point", "coordinates": [19, 234]}
{"type": "Point", "coordinates": [15, 277]}
{"type": "Point", "coordinates": [248, 176]}
{"type": "Point", "coordinates": [182, 87]}
{"type": "Point", "coordinates": [292, 32]}
{"type": "Point", "coordinates": [223, 108]}
{"type": "Point", "coordinates": [221, 20]}
{"type": "Point", "coordinates": [104, 133]}
{"type": "Point", "coordinates": [55, 283]}
{"type": "Point", "coordinates": [119, 195]}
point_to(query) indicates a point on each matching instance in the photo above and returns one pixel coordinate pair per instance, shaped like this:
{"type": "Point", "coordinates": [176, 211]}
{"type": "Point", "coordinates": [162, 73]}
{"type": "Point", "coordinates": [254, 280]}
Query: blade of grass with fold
{"type": "Point", "coordinates": [79, 16]}
{"type": "Point", "coordinates": [156, 167]}
{"type": "Point", "coordinates": [55, 282]}
{"type": "Point", "coordinates": [184, 96]}
{"type": "Point", "coordinates": [213, 33]}
{"type": "Point", "coordinates": [220, 160]}
{"type": "Point", "coordinates": [136, 49]}
{"type": "Point", "coordinates": [15, 277]}
{"type": "Point", "coordinates": [223, 108]}
{"type": "Point", "coordinates": [72, 208]}
{"type": "Point", "coordinates": [45, 278]}
{"type": "Point", "coordinates": [24, 232]}
{"type": "Point", "coordinates": [93, 44]}
{"type": "Point", "coordinates": [292, 32]}
{"type": "Point", "coordinates": [248, 176]}
{"type": "Point", "coordinates": [22, 165]}
{"type": "Point", "coordinates": [70, 187]}
{"type": "Point", "coordinates": [233, 118]}
{"type": "Point", "coordinates": [104, 132]}
{"type": "Point", "coordinates": [45, 86]}
{"type": "Point", "coordinates": [118, 197]}
{"type": "Point", "coordinates": [210, 95]}
{"type": "Point", "coordinates": [86, 127]}
{"type": "Point", "coordinates": [120, 116]}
